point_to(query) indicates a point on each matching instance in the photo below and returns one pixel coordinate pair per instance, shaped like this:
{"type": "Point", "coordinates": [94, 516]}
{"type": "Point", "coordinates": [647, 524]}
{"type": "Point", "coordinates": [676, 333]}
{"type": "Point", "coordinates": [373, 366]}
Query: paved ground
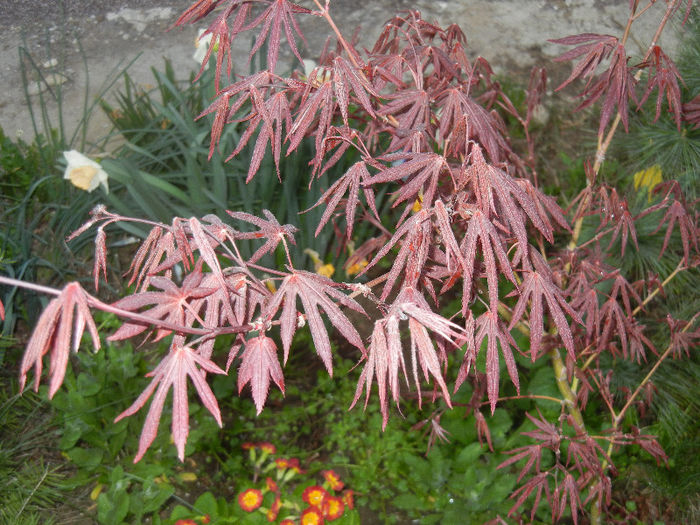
{"type": "Point", "coordinates": [511, 34]}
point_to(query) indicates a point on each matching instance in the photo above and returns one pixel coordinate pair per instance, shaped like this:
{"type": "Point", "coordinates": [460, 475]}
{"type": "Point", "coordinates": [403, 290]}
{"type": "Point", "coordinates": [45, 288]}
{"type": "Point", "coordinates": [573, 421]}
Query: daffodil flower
{"type": "Point", "coordinates": [201, 46]}
{"type": "Point", "coordinates": [84, 173]}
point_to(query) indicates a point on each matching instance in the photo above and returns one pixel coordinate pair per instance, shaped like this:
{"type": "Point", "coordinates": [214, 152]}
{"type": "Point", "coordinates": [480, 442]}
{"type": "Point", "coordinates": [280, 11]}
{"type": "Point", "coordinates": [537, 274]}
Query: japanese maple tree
{"type": "Point", "coordinates": [470, 221]}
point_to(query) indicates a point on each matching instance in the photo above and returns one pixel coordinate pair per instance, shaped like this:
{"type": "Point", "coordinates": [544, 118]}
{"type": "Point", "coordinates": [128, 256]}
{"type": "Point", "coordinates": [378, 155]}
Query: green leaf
{"type": "Point", "coordinates": [86, 458]}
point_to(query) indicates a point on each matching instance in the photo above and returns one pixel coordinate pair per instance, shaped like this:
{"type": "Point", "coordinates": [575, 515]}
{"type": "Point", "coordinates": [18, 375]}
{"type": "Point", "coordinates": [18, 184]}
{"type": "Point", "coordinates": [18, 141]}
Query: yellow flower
{"type": "Point", "coordinates": [84, 173]}
{"type": "Point", "coordinates": [356, 268]}
{"type": "Point", "coordinates": [648, 179]}
{"type": "Point", "coordinates": [326, 270]}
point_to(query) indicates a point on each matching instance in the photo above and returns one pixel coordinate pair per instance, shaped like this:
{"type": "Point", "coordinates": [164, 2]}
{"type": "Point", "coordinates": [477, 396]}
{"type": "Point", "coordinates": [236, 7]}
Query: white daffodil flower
{"type": "Point", "coordinates": [201, 46]}
{"type": "Point", "coordinates": [84, 173]}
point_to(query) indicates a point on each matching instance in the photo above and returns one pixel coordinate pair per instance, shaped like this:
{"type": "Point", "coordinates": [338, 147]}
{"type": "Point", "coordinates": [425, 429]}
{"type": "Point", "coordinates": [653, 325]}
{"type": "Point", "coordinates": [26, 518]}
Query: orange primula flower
{"type": "Point", "coordinates": [267, 447]}
{"type": "Point", "coordinates": [333, 480]}
{"type": "Point", "coordinates": [274, 509]}
{"type": "Point", "coordinates": [333, 508]}
{"type": "Point", "coordinates": [349, 499]}
{"type": "Point", "coordinates": [272, 485]}
{"type": "Point", "coordinates": [314, 495]}
{"type": "Point", "coordinates": [250, 499]}
{"type": "Point", "coordinates": [312, 516]}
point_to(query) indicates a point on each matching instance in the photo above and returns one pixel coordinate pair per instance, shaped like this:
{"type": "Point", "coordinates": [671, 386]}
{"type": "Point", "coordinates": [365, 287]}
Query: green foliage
{"type": "Point", "coordinates": [30, 484]}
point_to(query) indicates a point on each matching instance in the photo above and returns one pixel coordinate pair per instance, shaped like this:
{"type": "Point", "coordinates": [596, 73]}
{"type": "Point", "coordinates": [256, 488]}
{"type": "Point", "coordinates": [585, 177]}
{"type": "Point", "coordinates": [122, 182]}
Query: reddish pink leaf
{"type": "Point", "coordinates": [259, 364]}
{"type": "Point", "coordinates": [60, 328]}
{"type": "Point", "coordinates": [172, 371]}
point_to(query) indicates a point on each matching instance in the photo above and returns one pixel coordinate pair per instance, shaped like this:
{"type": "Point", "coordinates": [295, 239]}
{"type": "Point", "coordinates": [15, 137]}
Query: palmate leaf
{"type": "Point", "coordinates": [534, 288]}
{"type": "Point", "coordinates": [259, 364]}
{"type": "Point", "coordinates": [315, 291]}
{"type": "Point", "coordinates": [270, 229]}
{"type": "Point", "coordinates": [418, 171]}
{"type": "Point", "coordinates": [279, 13]}
{"type": "Point", "coordinates": [350, 183]}
{"type": "Point", "coordinates": [417, 236]}
{"type": "Point", "coordinates": [664, 79]}
{"type": "Point", "coordinates": [171, 304]}
{"type": "Point", "coordinates": [273, 113]}
{"type": "Point", "coordinates": [60, 328]}
{"type": "Point", "coordinates": [386, 359]}
{"type": "Point", "coordinates": [489, 325]}
{"type": "Point", "coordinates": [172, 371]}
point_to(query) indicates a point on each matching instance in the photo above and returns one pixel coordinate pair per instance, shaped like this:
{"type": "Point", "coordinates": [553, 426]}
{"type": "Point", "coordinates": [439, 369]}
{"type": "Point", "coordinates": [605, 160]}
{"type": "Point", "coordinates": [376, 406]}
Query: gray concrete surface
{"type": "Point", "coordinates": [511, 34]}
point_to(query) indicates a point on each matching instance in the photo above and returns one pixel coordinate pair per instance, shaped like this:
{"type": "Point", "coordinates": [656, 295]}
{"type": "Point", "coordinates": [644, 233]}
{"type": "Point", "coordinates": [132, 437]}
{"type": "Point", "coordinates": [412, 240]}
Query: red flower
{"type": "Point", "coordinates": [286, 522]}
{"type": "Point", "coordinates": [250, 499]}
{"type": "Point", "coordinates": [248, 445]}
{"type": "Point", "coordinates": [333, 480]}
{"type": "Point", "coordinates": [333, 508]}
{"type": "Point", "coordinates": [281, 463]}
{"type": "Point", "coordinates": [311, 516]}
{"type": "Point", "coordinates": [314, 495]}
{"type": "Point", "coordinates": [206, 519]}
{"type": "Point", "coordinates": [274, 509]}
{"type": "Point", "coordinates": [185, 522]}
{"type": "Point", "coordinates": [348, 499]}
{"type": "Point", "coordinates": [272, 485]}
{"type": "Point", "coordinates": [267, 447]}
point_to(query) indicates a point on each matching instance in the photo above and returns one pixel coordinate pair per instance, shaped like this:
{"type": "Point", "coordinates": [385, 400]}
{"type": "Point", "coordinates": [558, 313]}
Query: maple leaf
{"type": "Point", "coordinates": [279, 13]}
{"type": "Point", "coordinates": [413, 252]}
{"type": "Point", "coordinates": [270, 229]}
{"type": "Point", "coordinates": [534, 288]}
{"type": "Point", "coordinates": [349, 182]}
{"type": "Point", "coordinates": [499, 195]}
{"type": "Point", "coordinates": [664, 78]}
{"type": "Point", "coordinates": [172, 305]}
{"type": "Point", "coordinates": [272, 113]}
{"type": "Point", "coordinates": [259, 363]}
{"type": "Point", "coordinates": [596, 48]}
{"type": "Point", "coordinates": [225, 110]}
{"type": "Point", "coordinates": [463, 120]}
{"type": "Point", "coordinates": [59, 328]}
{"type": "Point", "coordinates": [677, 213]}
{"type": "Point", "coordinates": [315, 291]}
{"type": "Point", "coordinates": [615, 82]}
{"type": "Point", "coordinates": [418, 171]}
{"type": "Point", "coordinates": [488, 324]}
{"type": "Point", "coordinates": [173, 371]}
{"type": "Point", "coordinates": [222, 36]}
{"type": "Point", "coordinates": [411, 109]}
{"type": "Point", "coordinates": [385, 356]}
{"type": "Point", "coordinates": [481, 231]}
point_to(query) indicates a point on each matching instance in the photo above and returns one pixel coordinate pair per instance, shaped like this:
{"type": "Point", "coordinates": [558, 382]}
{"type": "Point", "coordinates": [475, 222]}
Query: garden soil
{"type": "Point", "coordinates": [66, 38]}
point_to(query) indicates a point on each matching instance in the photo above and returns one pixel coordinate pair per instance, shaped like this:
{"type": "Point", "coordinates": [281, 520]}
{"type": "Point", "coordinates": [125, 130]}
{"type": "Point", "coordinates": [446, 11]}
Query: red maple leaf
{"type": "Point", "coordinates": [172, 305]}
{"type": "Point", "coordinates": [534, 288]}
{"type": "Point", "coordinates": [270, 229]}
{"type": "Point", "coordinates": [664, 78]}
{"type": "Point", "coordinates": [59, 328]}
{"type": "Point", "coordinates": [315, 291]}
{"type": "Point", "coordinates": [489, 325]}
{"type": "Point", "coordinates": [172, 371]}
{"type": "Point", "coordinates": [259, 364]}
{"type": "Point", "coordinates": [280, 13]}
{"type": "Point", "coordinates": [385, 357]}
{"type": "Point", "coordinates": [417, 171]}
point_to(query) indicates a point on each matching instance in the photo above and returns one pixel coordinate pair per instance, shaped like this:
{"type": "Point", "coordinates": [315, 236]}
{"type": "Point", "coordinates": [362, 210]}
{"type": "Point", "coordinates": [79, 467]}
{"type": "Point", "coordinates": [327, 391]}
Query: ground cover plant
{"type": "Point", "coordinates": [477, 271]}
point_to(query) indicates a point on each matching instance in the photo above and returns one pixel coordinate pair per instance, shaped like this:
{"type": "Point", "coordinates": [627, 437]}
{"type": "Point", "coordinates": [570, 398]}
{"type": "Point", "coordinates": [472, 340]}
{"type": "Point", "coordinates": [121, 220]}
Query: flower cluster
{"type": "Point", "coordinates": [319, 503]}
